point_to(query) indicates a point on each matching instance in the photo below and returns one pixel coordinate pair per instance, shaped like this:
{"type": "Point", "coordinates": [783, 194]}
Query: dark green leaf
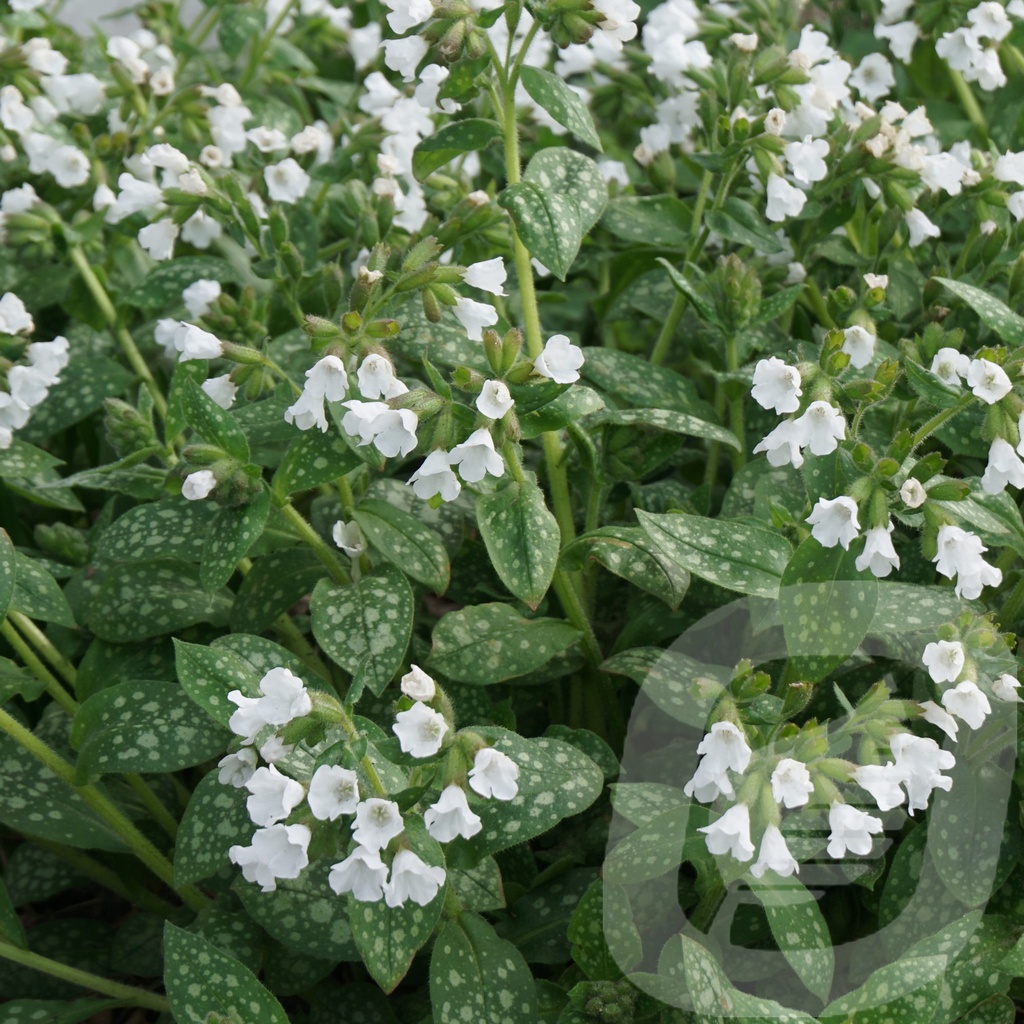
{"type": "Point", "coordinates": [405, 542]}
{"type": "Point", "coordinates": [564, 105]}
{"type": "Point", "coordinates": [232, 533]}
{"type": "Point", "coordinates": [467, 136]}
{"type": "Point", "coordinates": [549, 224]}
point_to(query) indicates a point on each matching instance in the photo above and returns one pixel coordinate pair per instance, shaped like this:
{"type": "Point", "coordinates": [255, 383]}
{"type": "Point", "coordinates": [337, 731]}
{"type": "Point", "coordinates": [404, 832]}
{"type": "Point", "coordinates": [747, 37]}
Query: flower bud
{"type": "Point", "coordinates": [382, 328]}
{"type": "Point", "coordinates": [125, 427]}
{"type": "Point", "coordinates": [321, 330]}
{"type": "Point", "coordinates": [64, 542]}
{"type": "Point", "coordinates": [278, 226]}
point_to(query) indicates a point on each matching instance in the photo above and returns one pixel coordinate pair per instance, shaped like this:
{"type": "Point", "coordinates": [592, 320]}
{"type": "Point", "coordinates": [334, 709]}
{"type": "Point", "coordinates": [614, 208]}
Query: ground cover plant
{"type": "Point", "coordinates": [511, 513]}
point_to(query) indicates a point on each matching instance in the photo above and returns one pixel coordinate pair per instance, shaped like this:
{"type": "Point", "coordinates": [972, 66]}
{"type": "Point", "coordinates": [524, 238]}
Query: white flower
{"type": "Point", "coordinates": [359, 420]}
{"type": "Point", "coordinates": [776, 385]}
{"type": "Point", "coordinates": [619, 23]}
{"type": "Point", "coordinates": [878, 555]}
{"type": "Point", "coordinates": [494, 774]}
{"type": "Point", "coordinates": [201, 230]}
{"type": "Point", "coordinates": [285, 697]}
{"type": "Point", "coordinates": [873, 78]}
{"type": "Point", "coordinates": [1005, 688]}
{"type": "Point", "coordinates": [990, 21]}
{"type": "Point", "coordinates": [851, 830]}
{"type": "Point", "coordinates": [349, 538]}
{"type": "Point", "coordinates": [783, 445]}
{"type": "Point", "coordinates": [280, 851]}
{"type": "Point", "coordinates": [968, 702]}
{"type": "Point", "coordinates": [403, 55]}
{"type": "Point", "coordinates": [944, 660]}
{"type": "Point", "coordinates": [920, 228]}
{"type": "Point", "coordinates": [823, 426]}
{"type": "Point", "coordinates": [919, 762]}
{"type": "Point", "coordinates": [158, 238]}
{"type": "Point", "coordinates": [774, 855]}
{"type": "Point", "coordinates": [221, 390]}
{"type": "Point", "coordinates": [488, 276]}
{"type": "Point", "coordinates": [859, 345]}
{"type": "Point", "coordinates": [326, 381]}
{"type": "Point", "coordinates": [198, 485]}
{"type": "Point", "coordinates": [560, 361]}
{"type": "Point", "coordinates": [200, 296]}
{"type": "Point", "coordinates": [195, 343]}
{"type": "Point", "coordinates": [834, 521]}
{"type": "Point", "coordinates": [730, 833]}
{"type": "Point", "coordinates": [14, 317]}
{"type": "Point", "coordinates": [474, 316]}
{"type": "Point", "coordinates": [286, 181]}
{"type": "Point", "coordinates": [267, 140]}
{"type": "Point", "coordinates": [420, 730]}
{"type": "Point", "coordinates": [784, 200]}
{"type": "Point", "coordinates": [805, 159]}
{"type": "Point", "coordinates": [451, 816]}
{"type": "Point", "coordinates": [314, 138]}
{"type": "Point", "coordinates": [937, 716]}
{"type": "Point", "coordinates": [949, 366]}
{"type": "Point", "coordinates": [476, 457]}
{"type": "Point", "coordinates": [377, 823]}
{"type": "Point", "coordinates": [333, 791]}
{"type": "Point", "coordinates": [723, 748]}
{"type": "Point", "coordinates": [912, 493]}
{"type": "Point", "coordinates": [791, 783]}
{"type": "Point", "coordinates": [376, 377]}
{"type": "Point", "coordinates": [15, 115]}
{"type": "Point", "coordinates": [275, 749]}
{"type": "Point", "coordinates": [135, 195]}
{"type": "Point", "coordinates": [236, 769]}
{"type": "Point", "coordinates": [1010, 167]}
{"type": "Point", "coordinates": [361, 873]}
{"type": "Point", "coordinates": [407, 14]}
{"type": "Point", "coordinates": [877, 281]}
{"type": "Point", "coordinates": [882, 782]}
{"type": "Point", "coordinates": [494, 399]}
{"type": "Point", "coordinates": [1004, 467]}
{"type": "Point", "coordinates": [247, 720]}
{"type": "Point", "coordinates": [435, 476]}
{"type": "Point", "coordinates": [988, 381]}
{"type": "Point", "coordinates": [775, 121]}
{"type": "Point", "coordinates": [161, 81]}
{"type": "Point", "coordinates": [417, 685]}
{"type": "Point", "coordinates": [394, 432]}
{"type": "Point", "coordinates": [412, 879]}
{"type": "Point", "coordinates": [958, 553]}
{"type": "Point", "coordinates": [273, 796]}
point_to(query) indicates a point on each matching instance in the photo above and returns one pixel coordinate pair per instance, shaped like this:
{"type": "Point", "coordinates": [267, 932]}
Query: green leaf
{"type": "Point", "coordinates": [145, 599]}
{"type": "Point", "coordinates": [775, 305]}
{"type": "Point", "coordinates": [800, 931]}
{"type": "Point", "coordinates": [564, 105]}
{"type": "Point", "coordinates": [23, 461]}
{"type": "Point", "coordinates": [170, 528]}
{"type": "Point", "coordinates": [697, 300]}
{"type": "Point", "coordinates": [467, 136]}
{"type": "Point", "coordinates": [47, 1011]}
{"type": "Point", "coordinates": [405, 542]}
{"type": "Point", "coordinates": [232, 533]}
{"type": "Point", "coordinates": [586, 933]}
{"type": "Point", "coordinates": [479, 887]}
{"type": "Point", "coordinates": [522, 538]}
{"type": "Point", "coordinates": [390, 937]}
{"type": "Point", "coordinates": [275, 582]}
{"type": "Point", "coordinates": [565, 172]}
{"type": "Point", "coordinates": [209, 674]}
{"type": "Point", "coordinates": [477, 976]}
{"type": "Point", "coordinates": [162, 286]}
{"type": "Point", "coordinates": [570, 406]}
{"type": "Point", "coordinates": [8, 573]}
{"type": "Point", "coordinates": [905, 992]}
{"type": "Point", "coordinates": [261, 655]}
{"type": "Point", "coordinates": [206, 986]}
{"type": "Point", "coordinates": [999, 1009]}
{"type": "Point", "coordinates": [628, 552]}
{"type": "Point", "coordinates": [538, 922]}
{"type": "Point", "coordinates": [34, 875]}
{"type": "Point", "coordinates": [194, 370]}
{"type": "Point", "coordinates": [930, 387]}
{"type": "Point", "coordinates": [212, 423]}
{"type": "Point", "coordinates": [549, 224]}
{"type": "Point", "coordinates": [214, 820]}
{"type": "Point", "coordinates": [37, 594]}
{"type": "Point", "coordinates": [145, 726]}
{"type": "Point", "coordinates": [365, 627]}
{"type": "Point", "coordinates": [316, 458]}
{"type": "Point", "coordinates": [489, 643]}
{"type": "Point", "coordinates": [661, 221]}
{"type": "Point", "coordinates": [827, 607]}
{"type": "Point", "coordinates": [77, 395]}
{"type": "Point", "coordinates": [17, 682]}
{"type": "Point", "coordinates": [993, 313]}
{"type": "Point", "coordinates": [239, 26]}
{"type": "Point", "coordinates": [304, 913]}
{"type": "Point", "coordinates": [11, 928]}
{"type": "Point", "coordinates": [737, 221]}
{"type": "Point", "coordinates": [666, 419]}
{"type": "Point", "coordinates": [734, 555]}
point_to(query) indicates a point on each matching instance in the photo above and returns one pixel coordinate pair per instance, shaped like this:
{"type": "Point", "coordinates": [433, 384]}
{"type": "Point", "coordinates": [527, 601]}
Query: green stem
{"type": "Point", "coordinates": [707, 908]}
{"type": "Point", "coordinates": [732, 363]}
{"type": "Point", "coordinates": [570, 601]}
{"type": "Point", "coordinates": [124, 338]}
{"type": "Point", "coordinates": [45, 646]}
{"type": "Point", "coordinates": [316, 542]}
{"type": "Point", "coordinates": [131, 995]}
{"type": "Point", "coordinates": [939, 418]}
{"type": "Point", "coordinates": [1016, 58]}
{"type": "Point", "coordinates": [261, 43]}
{"type": "Point", "coordinates": [153, 804]}
{"type": "Point", "coordinates": [970, 104]}
{"type": "Point", "coordinates": [103, 806]}
{"type": "Point", "coordinates": [38, 669]}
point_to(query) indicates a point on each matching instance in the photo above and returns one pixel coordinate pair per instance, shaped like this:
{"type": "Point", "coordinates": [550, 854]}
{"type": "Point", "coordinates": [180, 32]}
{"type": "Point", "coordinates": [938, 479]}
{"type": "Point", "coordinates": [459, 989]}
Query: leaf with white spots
{"type": "Point", "coordinates": [76, 395]}
{"type": "Point", "coordinates": [48, 1011]}
{"type": "Point", "coordinates": [147, 599]}
{"type": "Point", "coordinates": [479, 887]}
{"type": "Point", "coordinates": [171, 528]}
{"type": "Point", "coordinates": [827, 607]}
{"type": "Point", "coordinates": [365, 627]}
{"type": "Point", "coordinates": [303, 913]}
{"type": "Point", "coordinates": [275, 583]}
{"type": "Point", "coordinates": [905, 992]}
{"type": "Point", "coordinates": [405, 542]}
{"type": "Point", "coordinates": [37, 594]}
{"type": "Point", "coordinates": [315, 458]}
{"type": "Point", "coordinates": [206, 986]}
{"type": "Point", "coordinates": [209, 674]}
{"type": "Point", "coordinates": [489, 643]}
{"type": "Point", "coordinates": [145, 726]}
{"type": "Point", "coordinates": [737, 221]}
{"type": "Point", "coordinates": [587, 933]}
{"type": "Point", "coordinates": [562, 103]}
{"type": "Point", "coordinates": [568, 407]}
{"type": "Point", "coordinates": [734, 555]}
{"type": "Point", "coordinates": [522, 538]}
{"type": "Point", "coordinates": [628, 552]}
{"type": "Point", "coordinates": [477, 976]}
{"type": "Point", "coordinates": [24, 461]}
{"type": "Point", "coordinates": [214, 820]}
{"type": "Point", "coordinates": [466, 136]}
{"type": "Point", "coordinates": [994, 313]}
{"type": "Point", "coordinates": [668, 420]}
{"type": "Point", "coordinates": [566, 172]}
{"type": "Point", "coordinates": [212, 423]}
{"type": "Point", "coordinates": [232, 533]}
{"type": "Point", "coordinates": [8, 572]}
{"type": "Point", "coordinates": [662, 221]}
{"type": "Point", "coordinates": [162, 285]}
{"type": "Point", "coordinates": [800, 930]}
{"type": "Point", "coordinates": [390, 937]}
{"type": "Point", "coordinates": [548, 224]}
{"type": "Point", "coordinates": [260, 655]}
